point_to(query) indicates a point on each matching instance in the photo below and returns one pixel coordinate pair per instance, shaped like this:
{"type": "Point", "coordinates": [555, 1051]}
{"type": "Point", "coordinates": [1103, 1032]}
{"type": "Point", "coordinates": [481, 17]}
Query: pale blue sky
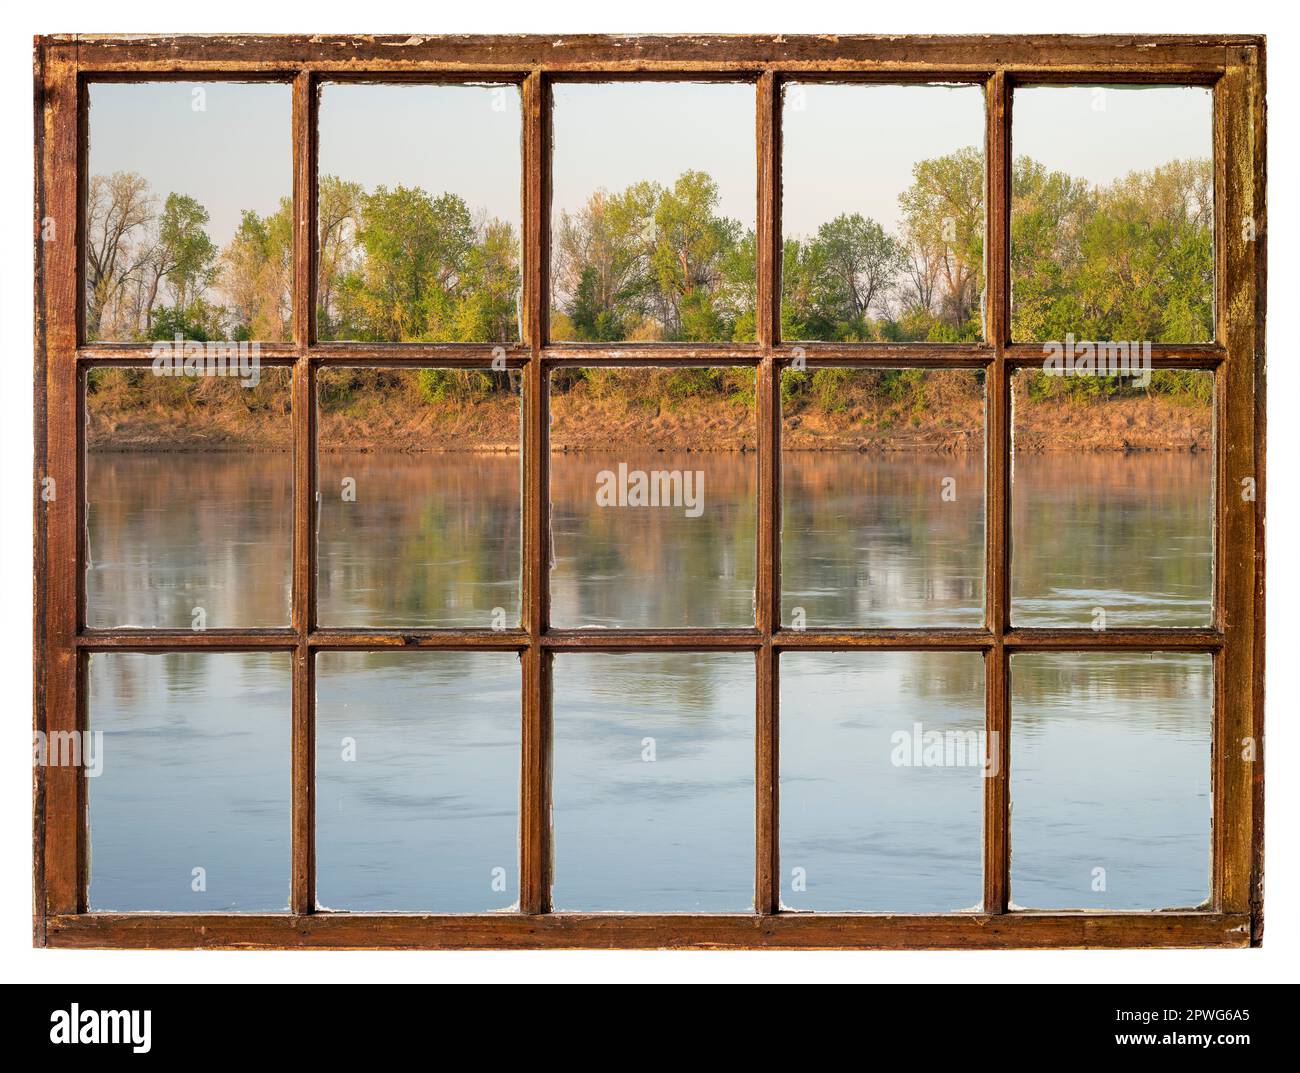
{"type": "Point", "coordinates": [851, 148]}
{"type": "Point", "coordinates": [465, 140]}
{"type": "Point", "coordinates": [1101, 133]}
{"type": "Point", "coordinates": [235, 154]}
{"type": "Point", "coordinates": [613, 134]}
{"type": "Point", "coordinates": [847, 148]}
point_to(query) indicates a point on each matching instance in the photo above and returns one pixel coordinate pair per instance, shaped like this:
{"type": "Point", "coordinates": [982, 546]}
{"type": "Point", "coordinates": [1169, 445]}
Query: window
{"type": "Point", "coordinates": [650, 492]}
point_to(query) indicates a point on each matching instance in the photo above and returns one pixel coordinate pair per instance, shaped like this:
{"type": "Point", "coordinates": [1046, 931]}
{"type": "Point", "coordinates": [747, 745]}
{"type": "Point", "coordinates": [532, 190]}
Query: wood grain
{"type": "Point", "coordinates": [784, 931]}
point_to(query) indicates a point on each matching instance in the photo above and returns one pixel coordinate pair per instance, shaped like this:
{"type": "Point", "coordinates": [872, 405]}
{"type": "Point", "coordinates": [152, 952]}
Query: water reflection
{"type": "Point", "coordinates": [434, 540]}
{"type": "Point", "coordinates": [168, 533]}
{"type": "Point", "coordinates": [643, 567]}
{"type": "Point", "coordinates": [872, 540]}
{"type": "Point", "coordinates": [1110, 780]}
{"type": "Point", "coordinates": [191, 811]}
{"type": "Point", "coordinates": [417, 781]}
{"type": "Point", "coordinates": [653, 806]}
{"type": "Point", "coordinates": [1130, 533]}
{"type": "Point", "coordinates": [872, 818]}
{"type": "Point", "coordinates": [1110, 753]}
{"type": "Point", "coordinates": [428, 540]}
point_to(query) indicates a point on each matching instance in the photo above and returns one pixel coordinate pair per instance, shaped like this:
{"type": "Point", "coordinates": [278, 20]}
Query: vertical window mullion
{"type": "Point", "coordinates": [997, 402]}
{"type": "Point", "coordinates": [534, 816]}
{"type": "Point", "coordinates": [303, 881]}
{"type": "Point", "coordinates": [767, 882]}
{"type": "Point", "coordinates": [1238, 741]}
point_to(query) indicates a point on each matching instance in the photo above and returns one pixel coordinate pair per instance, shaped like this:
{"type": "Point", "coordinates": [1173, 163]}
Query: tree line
{"type": "Point", "coordinates": [1129, 260]}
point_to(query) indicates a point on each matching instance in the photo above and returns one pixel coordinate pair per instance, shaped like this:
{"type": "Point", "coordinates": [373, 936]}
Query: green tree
{"type": "Point", "coordinates": [1132, 260]}
{"type": "Point", "coordinates": [338, 211]}
{"type": "Point", "coordinates": [943, 224]}
{"type": "Point", "coordinates": [186, 256]}
{"type": "Point", "coordinates": [858, 266]}
{"type": "Point", "coordinates": [256, 275]}
{"type": "Point", "coordinates": [415, 249]}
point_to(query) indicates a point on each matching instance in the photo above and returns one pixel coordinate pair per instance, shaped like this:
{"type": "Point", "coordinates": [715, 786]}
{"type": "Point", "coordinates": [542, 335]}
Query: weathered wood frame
{"type": "Point", "coordinates": [1233, 66]}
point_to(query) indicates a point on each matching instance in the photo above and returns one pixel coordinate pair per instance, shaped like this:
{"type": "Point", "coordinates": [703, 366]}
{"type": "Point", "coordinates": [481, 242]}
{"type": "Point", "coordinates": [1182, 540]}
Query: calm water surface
{"type": "Point", "coordinates": [653, 766]}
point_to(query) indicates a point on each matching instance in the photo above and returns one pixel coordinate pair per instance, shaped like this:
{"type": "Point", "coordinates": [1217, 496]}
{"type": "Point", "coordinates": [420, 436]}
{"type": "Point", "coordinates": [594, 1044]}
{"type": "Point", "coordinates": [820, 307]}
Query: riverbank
{"type": "Point", "coordinates": [220, 416]}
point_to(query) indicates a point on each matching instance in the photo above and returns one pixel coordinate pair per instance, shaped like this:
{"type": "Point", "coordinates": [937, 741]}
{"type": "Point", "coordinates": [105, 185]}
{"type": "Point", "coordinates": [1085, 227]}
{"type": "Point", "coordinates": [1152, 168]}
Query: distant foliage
{"type": "Point", "coordinates": [1132, 260]}
{"type": "Point", "coordinates": [1188, 386]}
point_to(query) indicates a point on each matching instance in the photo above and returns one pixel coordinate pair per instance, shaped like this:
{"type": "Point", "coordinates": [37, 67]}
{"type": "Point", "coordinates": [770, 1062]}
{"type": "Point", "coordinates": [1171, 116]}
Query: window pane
{"type": "Point", "coordinates": [1112, 213]}
{"type": "Point", "coordinates": [1113, 500]}
{"type": "Point", "coordinates": [883, 498]}
{"type": "Point", "coordinates": [189, 499]}
{"type": "Point", "coordinates": [419, 214]}
{"type": "Point", "coordinates": [417, 781]}
{"type": "Point", "coordinates": [653, 497]}
{"type": "Point", "coordinates": [1110, 780]}
{"type": "Point", "coordinates": [190, 810]}
{"type": "Point", "coordinates": [181, 240]}
{"type": "Point", "coordinates": [419, 509]}
{"type": "Point", "coordinates": [882, 206]}
{"type": "Point", "coordinates": [653, 800]}
{"type": "Point", "coordinates": [653, 209]}
{"type": "Point", "coordinates": [882, 799]}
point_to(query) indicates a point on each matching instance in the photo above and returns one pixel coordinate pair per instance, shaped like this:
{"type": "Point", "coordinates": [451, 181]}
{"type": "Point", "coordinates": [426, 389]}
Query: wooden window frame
{"type": "Point", "coordinates": [1233, 66]}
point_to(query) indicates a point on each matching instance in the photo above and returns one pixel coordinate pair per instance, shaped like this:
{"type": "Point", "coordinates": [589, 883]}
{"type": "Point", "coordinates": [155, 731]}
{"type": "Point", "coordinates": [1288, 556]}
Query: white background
{"type": "Point", "coordinates": [1279, 958]}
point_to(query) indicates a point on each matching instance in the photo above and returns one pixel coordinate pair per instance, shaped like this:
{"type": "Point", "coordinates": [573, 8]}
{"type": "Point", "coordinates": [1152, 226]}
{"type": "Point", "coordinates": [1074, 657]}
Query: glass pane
{"type": "Point", "coordinates": [1112, 213]}
{"type": "Point", "coordinates": [181, 239]}
{"type": "Point", "coordinates": [882, 205]}
{"type": "Point", "coordinates": [1110, 780]}
{"type": "Point", "coordinates": [417, 781]}
{"type": "Point", "coordinates": [190, 809]}
{"type": "Point", "coordinates": [653, 497]}
{"type": "Point", "coordinates": [419, 509]}
{"type": "Point", "coordinates": [419, 213]}
{"type": "Point", "coordinates": [653, 800]}
{"type": "Point", "coordinates": [883, 498]}
{"type": "Point", "coordinates": [1113, 500]}
{"type": "Point", "coordinates": [189, 499]}
{"type": "Point", "coordinates": [653, 208]}
{"type": "Point", "coordinates": [882, 799]}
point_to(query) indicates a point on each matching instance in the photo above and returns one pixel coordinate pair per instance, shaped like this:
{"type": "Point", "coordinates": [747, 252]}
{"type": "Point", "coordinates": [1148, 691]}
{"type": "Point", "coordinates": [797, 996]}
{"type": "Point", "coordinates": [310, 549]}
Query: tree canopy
{"type": "Point", "coordinates": [1130, 260]}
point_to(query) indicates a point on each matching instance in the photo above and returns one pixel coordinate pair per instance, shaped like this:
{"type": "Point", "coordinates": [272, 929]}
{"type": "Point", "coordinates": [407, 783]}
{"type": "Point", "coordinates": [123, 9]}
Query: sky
{"type": "Point", "coordinates": [465, 140]}
{"type": "Point", "coordinates": [611, 135]}
{"type": "Point", "coordinates": [851, 148]}
{"type": "Point", "coordinates": [847, 148]}
{"type": "Point", "coordinates": [1101, 133]}
{"type": "Point", "coordinates": [234, 154]}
